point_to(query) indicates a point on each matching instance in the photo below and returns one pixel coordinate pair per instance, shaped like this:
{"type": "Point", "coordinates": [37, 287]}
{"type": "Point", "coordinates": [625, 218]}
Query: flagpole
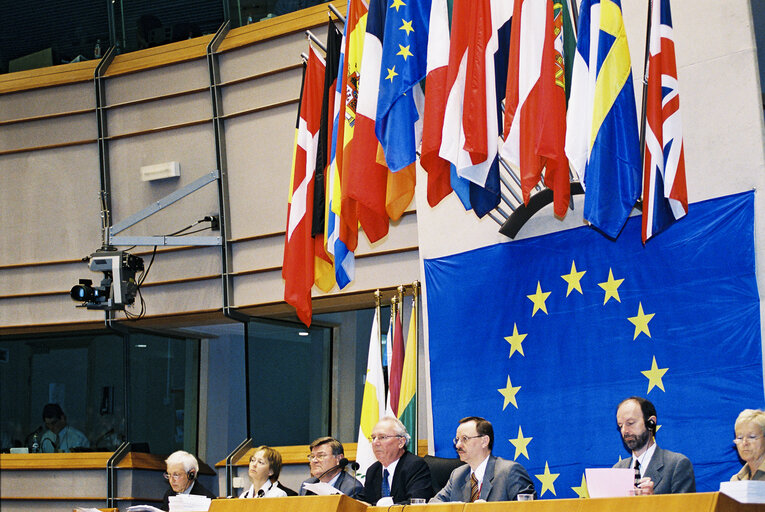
{"type": "Point", "coordinates": [645, 87]}
{"type": "Point", "coordinates": [416, 316]}
{"type": "Point", "coordinates": [574, 15]}
{"type": "Point", "coordinates": [337, 13]}
{"type": "Point", "coordinates": [389, 352]}
{"type": "Point", "coordinates": [377, 312]}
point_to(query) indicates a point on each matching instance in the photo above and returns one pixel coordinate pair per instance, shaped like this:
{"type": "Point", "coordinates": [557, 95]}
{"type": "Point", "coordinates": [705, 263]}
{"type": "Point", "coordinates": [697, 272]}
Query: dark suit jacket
{"type": "Point", "coordinates": [196, 488]}
{"type": "Point", "coordinates": [502, 481]}
{"type": "Point", "coordinates": [671, 472]}
{"type": "Point", "coordinates": [347, 483]}
{"type": "Point", "coordinates": [411, 480]}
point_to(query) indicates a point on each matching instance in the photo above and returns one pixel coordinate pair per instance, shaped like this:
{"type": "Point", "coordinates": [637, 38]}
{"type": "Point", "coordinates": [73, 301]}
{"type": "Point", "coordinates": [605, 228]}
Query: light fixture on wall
{"type": "Point", "coordinates": [160, 171]}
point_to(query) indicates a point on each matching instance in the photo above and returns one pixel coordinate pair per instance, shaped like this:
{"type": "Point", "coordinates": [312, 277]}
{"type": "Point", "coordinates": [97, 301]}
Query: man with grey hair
{"type": "Point", "coordinates": [325, 462]}
{"type": "Point", "coordinates": [182, 470]}
{"type": "Point", "coordinates": [397, 474]}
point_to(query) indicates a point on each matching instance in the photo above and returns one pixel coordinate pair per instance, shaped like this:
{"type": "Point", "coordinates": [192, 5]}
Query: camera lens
{"type": "Point", "coordinates": [82, 293]}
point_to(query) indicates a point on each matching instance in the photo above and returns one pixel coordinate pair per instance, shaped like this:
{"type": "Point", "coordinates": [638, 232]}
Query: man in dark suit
{"type": "Point", "coordinates": [397, 474]}
{"type": "Point", "coordinates": [182, 470]}
{"type": "Point", "coordinates": [485, 476]}
{"type": "Point", "coordinates": [324, 461]}
{"type": "Point", "coordinates": [657, 471]}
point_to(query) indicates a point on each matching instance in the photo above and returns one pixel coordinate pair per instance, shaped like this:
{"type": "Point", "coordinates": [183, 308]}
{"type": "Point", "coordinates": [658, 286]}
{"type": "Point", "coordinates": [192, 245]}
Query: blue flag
{"type": "Point", "coordinates": [545, 336]}
{"type": "Point", "coordinates": [404, 65]}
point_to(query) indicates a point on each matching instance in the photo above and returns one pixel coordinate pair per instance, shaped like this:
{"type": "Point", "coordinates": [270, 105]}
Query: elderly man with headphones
{"type": "Point", "coordinates": [657, 471]}
{"type": "Point", "coordinates": [182, 469]}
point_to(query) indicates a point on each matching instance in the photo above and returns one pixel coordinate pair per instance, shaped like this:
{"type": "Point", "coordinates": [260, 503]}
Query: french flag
{"type": "Point", "coordinates": [476, 81]}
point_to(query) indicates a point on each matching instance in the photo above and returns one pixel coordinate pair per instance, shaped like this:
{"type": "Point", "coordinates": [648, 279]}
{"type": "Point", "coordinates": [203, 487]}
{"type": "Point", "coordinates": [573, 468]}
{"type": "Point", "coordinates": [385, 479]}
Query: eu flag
{"type": "Point", "coordinates": [404, 64]}
{"type": "Point", "coordinates": [545, 336]}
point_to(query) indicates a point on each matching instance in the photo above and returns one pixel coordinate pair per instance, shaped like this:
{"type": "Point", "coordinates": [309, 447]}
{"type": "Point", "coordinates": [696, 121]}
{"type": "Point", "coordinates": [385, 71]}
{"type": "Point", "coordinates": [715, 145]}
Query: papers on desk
{"type": "Point", "coordinates": [322, 489]}
{"type": "Point", "coordinates": [744, 491]}
{"type": "Point", "coordinates": [179, 503]}
{"type": "Point", "coordinates": [189, 503]}
{"type": "Point", "coordinates": [609, 482]}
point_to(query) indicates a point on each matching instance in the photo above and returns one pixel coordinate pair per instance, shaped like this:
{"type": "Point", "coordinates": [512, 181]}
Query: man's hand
{"type": "Point", "coordinates": [645, 486]}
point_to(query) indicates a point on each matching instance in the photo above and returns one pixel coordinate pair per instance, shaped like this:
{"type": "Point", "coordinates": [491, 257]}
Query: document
{"type": "Point", "coordinates": [744, 491]}
{"type": "Point", "coordinates": [322, 489]}
{"type": "Point", "coordinates": [609, 482]}
{"type": "Point", "coordinates": [189, 503]}
{"type": "Point", "coordinates": [140, 508]}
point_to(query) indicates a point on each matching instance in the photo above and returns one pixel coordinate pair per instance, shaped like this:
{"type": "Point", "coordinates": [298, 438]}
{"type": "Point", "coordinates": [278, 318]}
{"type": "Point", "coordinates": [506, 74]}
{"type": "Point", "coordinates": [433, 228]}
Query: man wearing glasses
{"type": "Point", "coordinates": [398, 475]}
{"type": "Point", "coordinates": [657, 471]}
{"type": "Point", "coordinates": [326, 466]}
{"type": "Point", "coordinates": [182, 470]}
{"type": "Point", "coordinates": [484, 477]}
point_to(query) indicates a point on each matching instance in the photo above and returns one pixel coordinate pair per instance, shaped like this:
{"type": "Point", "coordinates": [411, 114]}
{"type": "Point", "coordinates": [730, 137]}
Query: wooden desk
{"type": "Point", "coordinates": [337, 503]}
{"type": "Point", "coordinates": [699, 502]}
{"type": "Point", "coordinates": [59, 481]}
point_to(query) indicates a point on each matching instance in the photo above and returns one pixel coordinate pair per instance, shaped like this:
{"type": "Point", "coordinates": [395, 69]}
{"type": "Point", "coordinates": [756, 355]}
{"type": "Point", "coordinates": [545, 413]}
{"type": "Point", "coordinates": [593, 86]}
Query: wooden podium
{"type": "Point", "coordinates": [335, 503]}
{"type": "Point", "coordinates": [699, 502]}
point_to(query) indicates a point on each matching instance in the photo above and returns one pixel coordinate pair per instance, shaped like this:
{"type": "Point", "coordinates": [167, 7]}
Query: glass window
{"type": "Point", "coordinates": [164, 391]}
{"type": "Point", "coordinates": [82, 373]}
{"type": "Point", "coordinates": [150, 398]}
{"type": "Point", "coordinates": [289, 382]}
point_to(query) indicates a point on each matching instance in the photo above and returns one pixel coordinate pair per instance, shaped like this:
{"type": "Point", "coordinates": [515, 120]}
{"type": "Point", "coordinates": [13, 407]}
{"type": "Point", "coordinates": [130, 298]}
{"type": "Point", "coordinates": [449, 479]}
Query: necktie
{"type": "Point", "coordinates": [385, 484]}
{"type": "Point", "coordinates": [474, 490]}
{"type": "Point", "coordinates": [637, 472]}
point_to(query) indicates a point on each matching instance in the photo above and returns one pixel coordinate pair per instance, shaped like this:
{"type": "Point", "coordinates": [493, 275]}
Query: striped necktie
{"type": "Point", "coordinates": [637, 472]}
{"type": "Point", "coordinates": [474, 489]}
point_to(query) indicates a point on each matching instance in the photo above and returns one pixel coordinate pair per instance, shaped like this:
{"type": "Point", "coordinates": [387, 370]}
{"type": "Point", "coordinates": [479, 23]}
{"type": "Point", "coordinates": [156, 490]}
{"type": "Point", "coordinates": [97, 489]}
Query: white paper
{"type": "Point", "coordinates": [322, 489]}
{"type": "Point", "coordinates": [609, 482]}
{"type": "Point", "coordinates": [141, 508]}
{"type": "Point", "coordinates": [744, 491]}
{"type": "Point", "coordinates": [189, 503]}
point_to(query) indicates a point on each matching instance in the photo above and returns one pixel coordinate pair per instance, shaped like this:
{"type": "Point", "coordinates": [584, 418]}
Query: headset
{"type": "Point", "coordinates": [650, 424]}
{"type": "Point", "coordinates": [191, 474]}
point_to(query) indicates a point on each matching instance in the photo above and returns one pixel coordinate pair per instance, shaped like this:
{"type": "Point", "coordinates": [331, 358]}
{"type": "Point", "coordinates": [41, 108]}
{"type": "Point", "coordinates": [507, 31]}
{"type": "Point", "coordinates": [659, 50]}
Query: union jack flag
{"type": "Point", "coordinates": [665, 196]}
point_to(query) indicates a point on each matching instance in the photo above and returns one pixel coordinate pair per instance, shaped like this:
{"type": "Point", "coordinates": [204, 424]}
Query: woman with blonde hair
{"type": "Point", "coordinates": [750, 443]}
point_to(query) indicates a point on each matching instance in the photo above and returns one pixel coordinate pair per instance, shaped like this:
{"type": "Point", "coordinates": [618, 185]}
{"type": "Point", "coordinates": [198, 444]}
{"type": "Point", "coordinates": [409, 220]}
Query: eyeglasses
{"type": "Point", "coordinates": [382, 437]}
{"type": "Point", "coordinates": [317, 457]}
{"type": "Point", "coordinates": [174, 476]}
{"type": "Point", "coordinates": [464, 439]}
{"type": "Point", "coordinates": [740, 439]}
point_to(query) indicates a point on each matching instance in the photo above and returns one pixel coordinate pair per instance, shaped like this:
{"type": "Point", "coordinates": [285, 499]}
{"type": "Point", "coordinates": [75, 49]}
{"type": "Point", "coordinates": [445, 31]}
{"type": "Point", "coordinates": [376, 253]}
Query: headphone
{"type": "Point", "coordinates": [651, 425]}
{"type": "Point", "coordinates": [191, 474]}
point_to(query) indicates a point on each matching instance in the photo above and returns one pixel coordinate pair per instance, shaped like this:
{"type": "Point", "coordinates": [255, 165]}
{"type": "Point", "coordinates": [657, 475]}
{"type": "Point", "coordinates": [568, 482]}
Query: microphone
{"type": "Point", "coordinates": [37, 431]}
{"type": "Point", "coordinates": [340, 465]}
{"type": "Point", "coordinates": [261, 493]}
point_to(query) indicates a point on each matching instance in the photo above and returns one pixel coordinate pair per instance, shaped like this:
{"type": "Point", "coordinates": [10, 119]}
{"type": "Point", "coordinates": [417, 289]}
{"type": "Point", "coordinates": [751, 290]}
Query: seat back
{"type": "Point", "coordinates": [440, 469]}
